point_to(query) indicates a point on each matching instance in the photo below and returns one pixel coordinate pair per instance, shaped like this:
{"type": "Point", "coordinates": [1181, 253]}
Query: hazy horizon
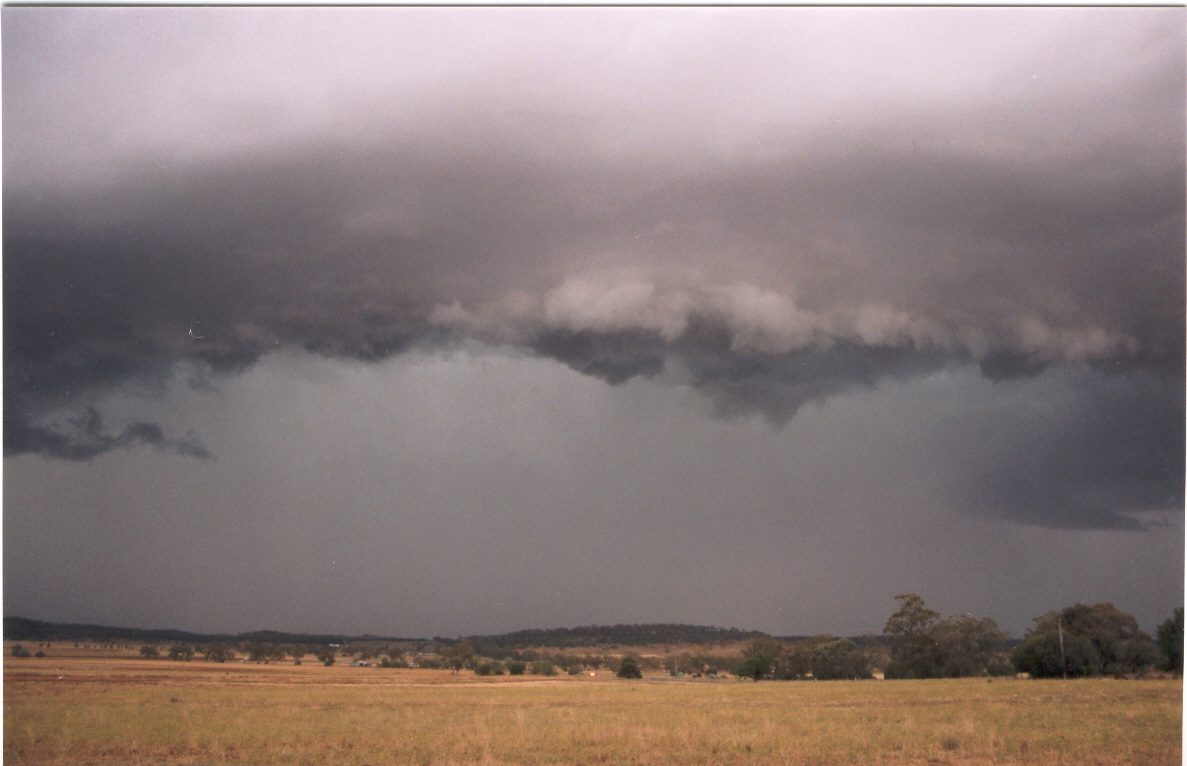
{"type": "Point", "coordinates": [1150, 630]}
{"type": "Point", "coordinates": [471, 320]}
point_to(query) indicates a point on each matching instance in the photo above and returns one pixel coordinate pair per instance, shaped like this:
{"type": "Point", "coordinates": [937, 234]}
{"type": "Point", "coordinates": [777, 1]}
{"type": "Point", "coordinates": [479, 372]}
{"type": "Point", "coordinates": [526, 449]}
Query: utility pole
{"type": "Point", "coordinates": [1062, 656]}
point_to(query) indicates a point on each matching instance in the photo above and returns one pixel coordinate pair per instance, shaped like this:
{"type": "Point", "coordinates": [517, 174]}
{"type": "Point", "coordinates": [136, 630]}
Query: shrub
{"type": "Point", "coordinates": [516, 667]}
{"type": "Point", "coordinates": [1096, 638]}
{"type": "Point", "coordinates": [543, 668]}
{"type": "Point", "coordinates": [760, 659]}
{"type": "Point", "coordinates": [20, 651]}
{"type": "Point", "coordinates": [1134, 655]}
{"type": "Point", "coordinates": [1170, 641]}
{"type": "Point", "coordinates": [265, 653]}
{"type": "Point", "coordinates": [489, 668]}
{"type": "Point", "coordinates": [1040, 656]}
{"type": "Point", "coordinates": [181, 652]}
{"type": "Point", "coordinates": [839, 660]}
{"type": "Point", "coordinates": [148, 651]}
{"type": "Point", "coordinates": [629, 668]}
{"type": "Point", "coordinates": [218, 653]}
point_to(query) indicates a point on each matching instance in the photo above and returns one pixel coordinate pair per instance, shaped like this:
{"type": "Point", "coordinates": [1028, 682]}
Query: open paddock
{"type": "Point", "coordinates": [121, 710]}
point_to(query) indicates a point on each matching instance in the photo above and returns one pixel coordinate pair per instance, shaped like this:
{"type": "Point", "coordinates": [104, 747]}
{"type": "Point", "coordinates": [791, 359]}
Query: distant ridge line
{"type": "Point", "coordinates": [623, 634]}
{"type": "Point", "coordinates": [25, 629]}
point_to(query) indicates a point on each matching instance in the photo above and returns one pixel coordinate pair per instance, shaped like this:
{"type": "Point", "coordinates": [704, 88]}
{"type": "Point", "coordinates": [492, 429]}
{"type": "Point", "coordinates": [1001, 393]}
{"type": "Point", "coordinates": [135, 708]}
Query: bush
{"type": "Point", "coordinates": [265, 653]}
{"type": "Point", "coordinates": [629, 668]}
{"type": "Point", "coordinates": [218, 653]}
{"type": "Point", "coordinates": [575, 670]}
{"type": "Point", "coordinates": [543, 668]}
{"type": "Point", "coordinates": [148, 651]}
{"type": "Point", "coordinates": [1134, 655]}
{"type": "Point", "coordinates": [1170, 641]}
{"type": "Point", "coordinates": [839, 660]}
{"type": "Point", "coordinates": [489, 668]}
{"type": "Point", "coordinates": [1040, 656]}
{"type": "Point", "coordinates": [516, 667]}
{"type": "Point", "coordinates": [760, 660]}
{"type": "Point", "coordinates": [181, 652]}
{"type": "Point", "coordinates": [1097, 638]}
{"type": "Point", "coordinates": [20, 651]}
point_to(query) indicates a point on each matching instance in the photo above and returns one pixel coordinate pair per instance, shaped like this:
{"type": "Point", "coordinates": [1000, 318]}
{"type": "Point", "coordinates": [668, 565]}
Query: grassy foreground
{"type": "Point", "coordinates": [124, 711]}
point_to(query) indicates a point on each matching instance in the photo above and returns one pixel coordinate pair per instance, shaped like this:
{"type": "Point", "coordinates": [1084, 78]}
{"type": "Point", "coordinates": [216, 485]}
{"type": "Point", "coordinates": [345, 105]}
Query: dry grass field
{"type": "Point", "coordinates": [74, 707]}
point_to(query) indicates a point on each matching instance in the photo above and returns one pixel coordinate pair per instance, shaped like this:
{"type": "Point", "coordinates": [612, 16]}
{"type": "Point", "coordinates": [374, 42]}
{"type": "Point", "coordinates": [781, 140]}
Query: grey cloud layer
{"type": "Point", "coordinates": [773, 207]}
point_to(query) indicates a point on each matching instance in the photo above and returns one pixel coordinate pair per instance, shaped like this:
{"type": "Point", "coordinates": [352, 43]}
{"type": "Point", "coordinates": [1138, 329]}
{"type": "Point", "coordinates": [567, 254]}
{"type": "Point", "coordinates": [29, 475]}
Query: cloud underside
{"type": "Point", "coordinates": [209, 271]}
{"type": "Point", "coordinates": [789, 264]}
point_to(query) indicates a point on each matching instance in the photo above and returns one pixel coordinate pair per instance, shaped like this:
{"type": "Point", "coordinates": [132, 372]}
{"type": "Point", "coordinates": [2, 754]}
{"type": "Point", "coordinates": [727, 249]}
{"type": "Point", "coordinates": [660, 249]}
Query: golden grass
{"type": "Point", "coordinates": [95, 710]}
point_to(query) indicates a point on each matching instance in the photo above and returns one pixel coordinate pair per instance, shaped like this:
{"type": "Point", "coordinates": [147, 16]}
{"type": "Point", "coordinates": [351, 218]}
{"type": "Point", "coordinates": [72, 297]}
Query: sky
{"type": "Point", "coordinates": [445, 321]}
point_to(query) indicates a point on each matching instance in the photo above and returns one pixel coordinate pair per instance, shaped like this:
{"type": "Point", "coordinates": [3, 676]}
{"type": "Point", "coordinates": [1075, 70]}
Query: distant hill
{"type": "Point", "coordinates": [620, 635]}
{"type": "Point", "coordinates": [23, 629]}
{"type": "Point", "coordinates": [864, 640]}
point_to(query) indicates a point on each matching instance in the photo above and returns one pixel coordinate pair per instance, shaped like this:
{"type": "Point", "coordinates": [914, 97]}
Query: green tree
{"type": "Point", "coordinates": [840, 659]}
{"type": "Point", "coordinates": [914, 651]}
{"type": "Point", "coordinates": [1170, 641]}
{"type": "Point", "coordinates": [181, 652]}
{"type": "Point", "coordinates": [760, 659]}
{"type": "Point", "coordinates": [488, 668]}
{"type": "Point", "coordinates": [262, 652]}
{"type": "Point", "coordinates": [698, 663]}
{"type": "Point", "coordinates": [1096, 639]}
{"type": "Point", "coordinates": [1042, 656]}
{"type": "Point", "coordinates": [150, 652]}
{"type": "Point", "coordinates": [629, 668]}
{"type": "Point", "coordinates": [966, 645]}
{"type": "Point", "coordinates": [543, 668]}
{"type": "Point", "coordinates": [516, 667]}
{"type": "Point", "coordinates": [1136, 656]}
{"type": "Point", "coordinates": [458, 655]}
{"type": "Point", "coordinates": [218, 653]}
{"type": "Point", "coordinates": [327, 655]}
{"type": "Point", "coordinates": [20, 651]}
{"type": "Point", "coordinates": [796, 662]}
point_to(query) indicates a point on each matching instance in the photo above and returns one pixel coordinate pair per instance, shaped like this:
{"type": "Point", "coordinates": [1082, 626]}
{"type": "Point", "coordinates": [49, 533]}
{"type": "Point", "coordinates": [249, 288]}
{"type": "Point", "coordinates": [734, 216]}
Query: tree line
{"type": "Point", "coordinates": [1078, 641]}
{"type": "Point", "coordinates": [917, 642]}
{"type": "Point", "coordinates": [611, 635]}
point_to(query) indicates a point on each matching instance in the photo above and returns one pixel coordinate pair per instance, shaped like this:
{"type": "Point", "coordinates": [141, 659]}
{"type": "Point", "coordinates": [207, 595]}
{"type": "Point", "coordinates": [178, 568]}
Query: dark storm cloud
{"type": "Point", "coordinates": [84, 438]}
{"type": "Point", "coordinates": [615, 357]}
{"type": "Point", "coordinates": [768, 240]}
{"type": "Point", "coordinates": [1102, 451]}
{"type": "Point", "coordinates": [777, 386]}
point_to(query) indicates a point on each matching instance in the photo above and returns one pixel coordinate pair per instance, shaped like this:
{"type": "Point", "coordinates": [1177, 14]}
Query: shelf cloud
{"type": "Point", "coordinates": [772, 208]}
